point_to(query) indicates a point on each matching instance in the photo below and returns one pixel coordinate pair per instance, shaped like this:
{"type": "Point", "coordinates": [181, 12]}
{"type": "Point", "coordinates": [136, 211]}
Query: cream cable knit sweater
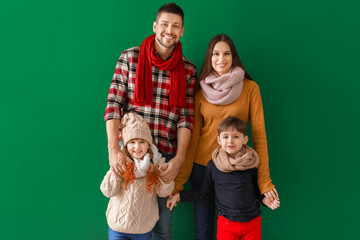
{"type": "Point", "coordinates": [134, 210]}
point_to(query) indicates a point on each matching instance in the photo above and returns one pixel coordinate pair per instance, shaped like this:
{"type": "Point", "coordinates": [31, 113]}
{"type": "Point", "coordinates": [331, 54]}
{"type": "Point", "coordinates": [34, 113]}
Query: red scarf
{"type": "Point", "coordinates": [143, 79]}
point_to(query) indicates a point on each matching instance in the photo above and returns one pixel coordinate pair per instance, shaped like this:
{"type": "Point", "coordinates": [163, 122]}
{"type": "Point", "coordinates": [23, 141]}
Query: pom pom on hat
{"type": "Point", "coordinates": [134, 126]}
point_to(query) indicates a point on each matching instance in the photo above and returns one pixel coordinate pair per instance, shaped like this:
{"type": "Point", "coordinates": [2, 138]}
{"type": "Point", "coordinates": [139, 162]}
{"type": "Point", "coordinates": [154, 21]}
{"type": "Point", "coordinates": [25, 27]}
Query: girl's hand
{"type": "Point", "coordinates": [171, 172]}
{"type": "Point", "coordinates": [162, 167]}
{"type": "Point", "coordinates": [159, 168]}
{"type": "Point", "coordinates": [172, 201]}
{"type": "Point", "coordinates": [272, 195]}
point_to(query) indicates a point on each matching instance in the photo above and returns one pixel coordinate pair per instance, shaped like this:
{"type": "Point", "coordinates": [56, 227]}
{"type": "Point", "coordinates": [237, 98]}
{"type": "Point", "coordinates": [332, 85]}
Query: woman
{"type": "Point", "coordinates": [224, 88]}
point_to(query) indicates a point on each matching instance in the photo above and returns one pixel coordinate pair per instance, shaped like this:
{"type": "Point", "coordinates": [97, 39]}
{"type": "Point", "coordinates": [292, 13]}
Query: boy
{"type": "Point", "coordinates": [231, 176]}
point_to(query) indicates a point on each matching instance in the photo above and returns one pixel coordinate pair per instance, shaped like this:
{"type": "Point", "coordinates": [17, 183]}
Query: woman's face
{"type": "Point", "coordinates": [221, 59]}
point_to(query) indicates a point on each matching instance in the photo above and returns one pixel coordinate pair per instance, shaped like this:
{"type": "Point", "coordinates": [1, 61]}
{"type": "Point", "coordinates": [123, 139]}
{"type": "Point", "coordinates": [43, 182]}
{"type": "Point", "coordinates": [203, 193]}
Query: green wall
{"type": "Point", "coordinates": [57, 61]}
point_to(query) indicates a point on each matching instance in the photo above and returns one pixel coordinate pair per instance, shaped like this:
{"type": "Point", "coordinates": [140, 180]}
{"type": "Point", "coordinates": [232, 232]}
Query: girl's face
{"type": "Point", "coordinates": [221, 59]}
{"type": "Point", "coordinates": [137, 147]}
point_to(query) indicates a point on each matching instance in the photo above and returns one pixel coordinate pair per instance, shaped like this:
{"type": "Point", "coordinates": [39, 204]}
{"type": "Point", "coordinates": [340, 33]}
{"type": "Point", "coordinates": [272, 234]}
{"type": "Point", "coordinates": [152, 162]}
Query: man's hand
{"type": "Point", "coordinates": [117, 161]}
{"type": "Point", "coordinates": [172, 201]}
{"type": "Point", "coordinates": [173, 169]}
{"type": "Point", "coordinates": [174, 165]}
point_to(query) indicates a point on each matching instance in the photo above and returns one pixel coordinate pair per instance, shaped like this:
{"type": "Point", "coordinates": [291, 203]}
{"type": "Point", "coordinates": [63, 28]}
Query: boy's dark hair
{"type": "Point", "coordinates": [170, 8]}
{"type": "Point", "coordinates": [232, 123]}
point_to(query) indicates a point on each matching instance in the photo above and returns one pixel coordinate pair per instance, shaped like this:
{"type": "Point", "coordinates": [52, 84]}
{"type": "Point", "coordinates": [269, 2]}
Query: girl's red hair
{"type": "Point", "coordinates": [129, 175]}
{"type": "Point", "coordinates": [152, 174]}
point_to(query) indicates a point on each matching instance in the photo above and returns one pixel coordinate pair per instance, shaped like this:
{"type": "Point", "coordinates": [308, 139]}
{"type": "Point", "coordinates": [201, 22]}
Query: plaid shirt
{"type": "Point", "coordinates": [163, 119]}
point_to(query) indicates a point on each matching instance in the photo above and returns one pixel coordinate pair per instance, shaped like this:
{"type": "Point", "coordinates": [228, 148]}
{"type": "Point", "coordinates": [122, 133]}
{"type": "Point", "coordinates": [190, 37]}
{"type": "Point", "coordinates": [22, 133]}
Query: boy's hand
{"type": "Point", "coordinates": [172, 201]}
{"type": "Point", "coordinates": [272, 205]}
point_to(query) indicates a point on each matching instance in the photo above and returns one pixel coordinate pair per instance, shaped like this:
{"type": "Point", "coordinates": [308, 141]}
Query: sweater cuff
{"type": "Point", "coordinates": [166, 184]}
{"type": "Point", "coordinates": [261, 198]}
{"type": "Point", "coordinates": [178, 187]}
{"type": "Point", "coordinates": [266, 187]}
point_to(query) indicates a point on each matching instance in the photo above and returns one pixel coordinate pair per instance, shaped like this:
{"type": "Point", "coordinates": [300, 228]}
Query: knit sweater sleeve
{"type": "Point", "coordinates": [164, 189]}
{"type": "Point", "coordinates": [111, 185]}
{"type": "Point", "coordinates": [259, 139]}
{"type": "Point", "coordinates": [187, 166]}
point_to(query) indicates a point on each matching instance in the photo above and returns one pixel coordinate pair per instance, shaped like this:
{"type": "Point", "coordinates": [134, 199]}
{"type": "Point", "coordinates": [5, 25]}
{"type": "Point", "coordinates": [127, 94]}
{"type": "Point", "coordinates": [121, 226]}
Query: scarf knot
{"type": "Point", "coordinates": [143, 93]}
{"type": "Point", "coordinates": [142, 165]}
{"type": "Point", "coordinates": [246, 158]}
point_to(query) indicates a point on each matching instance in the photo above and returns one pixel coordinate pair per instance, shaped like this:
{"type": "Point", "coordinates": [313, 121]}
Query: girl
{"type": "Point", "coordinates": [133, 207]}
{"type": "Point", "coordinates": [224, 88]}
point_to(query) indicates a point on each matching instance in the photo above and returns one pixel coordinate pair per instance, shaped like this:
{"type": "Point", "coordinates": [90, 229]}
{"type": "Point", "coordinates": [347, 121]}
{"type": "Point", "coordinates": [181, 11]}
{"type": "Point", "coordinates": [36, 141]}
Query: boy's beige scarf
{"type": "Point", "coordinates": [246, 158]}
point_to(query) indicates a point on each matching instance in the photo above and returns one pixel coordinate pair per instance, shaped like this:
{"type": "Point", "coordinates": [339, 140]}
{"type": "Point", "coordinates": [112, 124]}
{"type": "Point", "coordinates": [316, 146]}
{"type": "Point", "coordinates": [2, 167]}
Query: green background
{"type": "Point", "coordinates": [57, 62]}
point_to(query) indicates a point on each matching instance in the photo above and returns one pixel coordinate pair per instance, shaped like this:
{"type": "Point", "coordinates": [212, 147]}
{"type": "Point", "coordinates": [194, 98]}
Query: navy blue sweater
{"type": "Point", "coordinates": [236, 193]}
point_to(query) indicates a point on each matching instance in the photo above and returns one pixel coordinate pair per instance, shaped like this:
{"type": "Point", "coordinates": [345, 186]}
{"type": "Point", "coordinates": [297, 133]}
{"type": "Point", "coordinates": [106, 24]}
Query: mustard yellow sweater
{"type": "Point", "coordinates": [247, 107]}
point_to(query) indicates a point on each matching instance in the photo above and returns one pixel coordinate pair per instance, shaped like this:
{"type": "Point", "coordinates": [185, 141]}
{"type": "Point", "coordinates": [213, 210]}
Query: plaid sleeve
{"type": "Point", "coordinates": [186, 117]}
{"type": "Point", "coordinates": [118, 89]}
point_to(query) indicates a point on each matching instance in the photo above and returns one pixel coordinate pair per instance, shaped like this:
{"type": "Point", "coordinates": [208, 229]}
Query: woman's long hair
{"type": "Point", "coordinates": [207, 67]}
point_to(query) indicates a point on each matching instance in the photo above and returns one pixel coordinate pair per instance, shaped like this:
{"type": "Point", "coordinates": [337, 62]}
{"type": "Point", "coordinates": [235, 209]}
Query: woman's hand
{"type": "Point", "coordinates": [272, 195]}
{"type": "Point", "coordinates": [272, 205]}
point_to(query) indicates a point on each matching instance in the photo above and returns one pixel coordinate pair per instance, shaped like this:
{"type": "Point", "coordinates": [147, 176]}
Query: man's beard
{"type": "Point", "coordinates": [166, 46]}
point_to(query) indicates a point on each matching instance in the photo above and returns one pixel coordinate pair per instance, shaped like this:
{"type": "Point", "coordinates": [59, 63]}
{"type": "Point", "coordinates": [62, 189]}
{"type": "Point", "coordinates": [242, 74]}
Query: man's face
{"type": "Point", "coordinates": [168, 29]}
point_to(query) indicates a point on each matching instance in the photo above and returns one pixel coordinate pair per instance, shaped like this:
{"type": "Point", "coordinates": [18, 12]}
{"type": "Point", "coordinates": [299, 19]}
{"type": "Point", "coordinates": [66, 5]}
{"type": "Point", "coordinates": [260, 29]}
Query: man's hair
{"type": "Point", "coordinates": [170, 8]}
{"type": "Point", "coordinates": [232, 123]}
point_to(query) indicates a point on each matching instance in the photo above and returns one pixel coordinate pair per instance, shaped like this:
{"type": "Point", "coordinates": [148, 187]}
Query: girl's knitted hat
{"type": "Point", "coordinates": [134, 126]}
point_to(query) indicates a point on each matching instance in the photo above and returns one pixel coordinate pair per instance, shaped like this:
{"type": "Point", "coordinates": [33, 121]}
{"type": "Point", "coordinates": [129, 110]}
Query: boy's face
{"type": "Point", "coordinates": [137, 147]}
{"type": "Point", "coordinates": [231, 141]}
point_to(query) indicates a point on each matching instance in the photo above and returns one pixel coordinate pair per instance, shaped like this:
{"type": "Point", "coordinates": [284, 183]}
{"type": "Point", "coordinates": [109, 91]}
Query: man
{"type": "Point", "coordinates": [157, 82]}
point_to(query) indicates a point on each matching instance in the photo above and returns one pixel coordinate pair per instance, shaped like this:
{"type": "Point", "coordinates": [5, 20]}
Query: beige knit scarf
{"type": "Point", "coordinates": [225, 89]}
{"type": "Point", "coordinates": [246, 158]}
